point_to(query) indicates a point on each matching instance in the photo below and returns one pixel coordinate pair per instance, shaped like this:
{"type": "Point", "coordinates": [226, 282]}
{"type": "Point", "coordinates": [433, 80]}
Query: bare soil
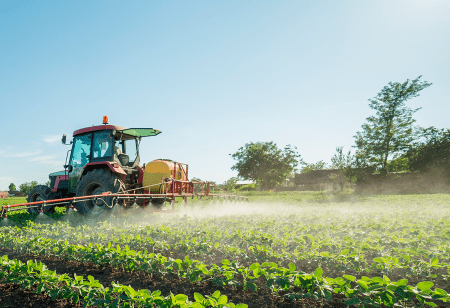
{"type": "Point", "coordinates": [12, 295]}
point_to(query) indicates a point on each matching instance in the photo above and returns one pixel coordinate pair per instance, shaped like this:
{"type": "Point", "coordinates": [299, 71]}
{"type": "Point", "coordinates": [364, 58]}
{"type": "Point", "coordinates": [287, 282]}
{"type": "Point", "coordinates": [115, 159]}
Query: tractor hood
{"type": "Point", "coordinates": [57, 173]}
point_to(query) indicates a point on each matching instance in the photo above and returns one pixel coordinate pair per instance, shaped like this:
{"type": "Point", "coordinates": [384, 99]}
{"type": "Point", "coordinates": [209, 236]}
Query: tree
{"type": "Point", "coordinates": [265, 163]}
{"type": "Point", "coordinates": [431, 151]}
{"type": "Point", "coordinates": [320, 165]}
{"type": "Point", "coordinates": [400, 164]}
{"type": "Point", "coordinates": [390, 132]}
{"type": "Point", "coordinates": [27, 187]}
{"type": "Point", "coordinates": [230, 184]}
{"type": "Point", "coordinates": [24, 188]}
{"type": "Point", "coordinates": [344, 163]}
{"type": "Point", "coordinates": [12, 187]}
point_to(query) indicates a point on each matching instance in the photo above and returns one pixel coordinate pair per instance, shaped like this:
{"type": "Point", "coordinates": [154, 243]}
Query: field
{"type": "Point", "coordinates": [285, 249]}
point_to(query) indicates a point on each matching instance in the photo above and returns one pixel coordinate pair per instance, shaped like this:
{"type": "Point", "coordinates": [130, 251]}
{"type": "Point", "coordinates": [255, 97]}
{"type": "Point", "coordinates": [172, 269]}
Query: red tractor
{"type": "Point", "coordinates": [105, 158]}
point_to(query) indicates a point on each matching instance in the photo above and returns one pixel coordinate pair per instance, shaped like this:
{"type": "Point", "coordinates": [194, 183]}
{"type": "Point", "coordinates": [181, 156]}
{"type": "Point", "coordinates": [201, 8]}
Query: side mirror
{"type": "Point", "coordinates": [63, 140]}
{"type": "Point", "coordinates": [68, 167]}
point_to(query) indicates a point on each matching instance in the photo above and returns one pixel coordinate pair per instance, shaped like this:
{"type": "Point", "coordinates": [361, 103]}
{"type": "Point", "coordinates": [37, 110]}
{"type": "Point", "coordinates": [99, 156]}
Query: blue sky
{"type": "Point", "coordinates": [211, 75]}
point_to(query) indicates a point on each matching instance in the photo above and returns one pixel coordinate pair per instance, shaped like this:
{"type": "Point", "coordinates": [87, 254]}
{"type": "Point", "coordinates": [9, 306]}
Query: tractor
{"type": "Point", "coordinates": [105, 159]}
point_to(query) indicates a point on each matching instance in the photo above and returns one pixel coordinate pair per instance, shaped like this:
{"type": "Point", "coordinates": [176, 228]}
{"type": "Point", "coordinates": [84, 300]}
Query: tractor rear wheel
{"type": "Point", "coordinates": [40, 193]}
{"type": "Point", "coordinates": [96, 182]}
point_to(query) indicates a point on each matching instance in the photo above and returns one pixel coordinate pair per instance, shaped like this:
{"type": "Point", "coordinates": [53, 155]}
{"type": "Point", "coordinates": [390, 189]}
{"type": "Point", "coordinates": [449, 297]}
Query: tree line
{"type": "Point", "coordinates": [25, 187]}
{"type": "Point", "coordinates": [388, 142]}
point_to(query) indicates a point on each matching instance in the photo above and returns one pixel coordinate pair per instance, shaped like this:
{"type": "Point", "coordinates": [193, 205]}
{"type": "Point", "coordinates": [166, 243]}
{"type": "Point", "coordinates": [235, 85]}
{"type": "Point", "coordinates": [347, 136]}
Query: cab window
{"type": "Point", "coordinates": [130, 148]}
{"type": "Point", "coordinates": [102, 145]}
{"type": "Point", "coordinates": [127, 147]}
{"type": "Point", "coordinates": [81, 150]}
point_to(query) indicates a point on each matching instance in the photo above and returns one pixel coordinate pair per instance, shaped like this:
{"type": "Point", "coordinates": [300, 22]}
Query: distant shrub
{"type": "Point", "coordinates": [249, 187]}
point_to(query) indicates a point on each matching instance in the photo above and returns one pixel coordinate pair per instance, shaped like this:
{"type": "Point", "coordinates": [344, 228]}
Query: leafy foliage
{"type": "Point", "coordinates": [12, 187]}
{"type": "Point", "coordinates": [230, 184]}
{"type": "Point", "coordinates": [390, 132]}
{"type": "Point", "coordinates": [265, 163]}
{"type": "Point", "coordinates": [320, 165]}
{"type": "Point", "coordinates": [27, 187]}
{"type": "Point", "coordinates": [400, 164]}
{"type": "Point", "coordinates": [431, 152]}
{"type": "Point", "coordinates": [343, 163]}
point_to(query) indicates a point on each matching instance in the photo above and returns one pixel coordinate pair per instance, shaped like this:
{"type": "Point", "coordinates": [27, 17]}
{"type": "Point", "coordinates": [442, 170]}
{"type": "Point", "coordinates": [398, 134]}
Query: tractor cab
{"type": "Point", "coordinates": [114, 146]}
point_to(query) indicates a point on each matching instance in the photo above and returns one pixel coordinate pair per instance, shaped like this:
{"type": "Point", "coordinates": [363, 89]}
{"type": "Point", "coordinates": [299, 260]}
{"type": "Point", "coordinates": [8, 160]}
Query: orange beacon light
{"type": "Point", "coordinates": [105, 120]}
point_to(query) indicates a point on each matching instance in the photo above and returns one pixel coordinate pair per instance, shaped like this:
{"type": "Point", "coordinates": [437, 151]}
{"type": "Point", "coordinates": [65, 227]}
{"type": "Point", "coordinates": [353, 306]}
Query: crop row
{"type": "Point", "coordinates": [366, 291]}
{"type": "Point", "coordinates": [91, 292]}
{"type": "Point", "coordinates": [375, 244]}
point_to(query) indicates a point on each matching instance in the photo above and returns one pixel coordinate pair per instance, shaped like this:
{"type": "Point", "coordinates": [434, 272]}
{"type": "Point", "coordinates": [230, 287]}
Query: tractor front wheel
{"type": "Point", "coordinates": [96, 182]}
{"type": "Point", "coordinates": [40, 193]}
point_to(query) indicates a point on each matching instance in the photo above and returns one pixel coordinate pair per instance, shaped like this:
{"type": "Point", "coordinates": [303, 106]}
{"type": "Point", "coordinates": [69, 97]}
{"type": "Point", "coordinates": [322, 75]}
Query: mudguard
{"type": "Point", "coordinates": [114, 167]}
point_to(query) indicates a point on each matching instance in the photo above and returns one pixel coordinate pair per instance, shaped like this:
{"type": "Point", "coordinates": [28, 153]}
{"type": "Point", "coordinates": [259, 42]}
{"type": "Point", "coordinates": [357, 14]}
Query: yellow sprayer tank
{"type": "Point", "coordinates": [157, 170]}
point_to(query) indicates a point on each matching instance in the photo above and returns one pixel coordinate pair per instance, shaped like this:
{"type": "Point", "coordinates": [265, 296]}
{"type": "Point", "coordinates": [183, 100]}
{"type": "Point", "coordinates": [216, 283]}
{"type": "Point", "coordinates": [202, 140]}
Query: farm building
{"type": "Point", "coordinates": [317, 180]}
{"type": "Point", "coordinates": [16, 193]}
{"type": "Point", "coordinates": [4, 194]}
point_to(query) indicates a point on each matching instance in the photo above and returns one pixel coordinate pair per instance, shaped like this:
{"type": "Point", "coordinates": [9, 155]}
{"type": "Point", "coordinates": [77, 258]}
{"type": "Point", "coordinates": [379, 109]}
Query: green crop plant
{"type": "Point", "coordinates": [380, 236]}
{"type": "Point", "coordinates": [380, 290]}
{"type": "Point", "coordinates": [91, 292]}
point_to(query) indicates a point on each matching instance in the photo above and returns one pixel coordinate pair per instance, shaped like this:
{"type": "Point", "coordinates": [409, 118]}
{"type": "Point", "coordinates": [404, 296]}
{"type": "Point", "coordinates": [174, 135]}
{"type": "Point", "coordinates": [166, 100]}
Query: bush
{"type": "Point", "coordinates": [249, 187]}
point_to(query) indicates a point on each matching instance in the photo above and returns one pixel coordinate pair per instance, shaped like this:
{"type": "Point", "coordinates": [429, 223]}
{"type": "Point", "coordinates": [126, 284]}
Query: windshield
{"type": "Point", "coordinates": [81, 150]}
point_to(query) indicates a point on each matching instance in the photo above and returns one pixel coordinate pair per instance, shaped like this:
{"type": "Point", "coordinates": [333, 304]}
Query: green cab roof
{"type": "Point", "coordinates": [140, 132]}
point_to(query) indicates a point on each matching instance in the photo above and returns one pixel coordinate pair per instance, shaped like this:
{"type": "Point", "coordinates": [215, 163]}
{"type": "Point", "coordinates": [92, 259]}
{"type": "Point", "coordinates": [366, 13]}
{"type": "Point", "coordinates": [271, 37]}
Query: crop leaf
{"type": "Point", "coordinates": [425, 285]}
{"type": "Point", "coordinates": [318, 272]}
{"type": "Point", "coordinates": [434, 261]}
{"type": "Point", "coordinates": [349, 277]}
{"type": "Point", "coordinates": [198, 297]}
{"type": "Point", "coordinates": [363, 284]}
{"type": "Point", "coordinates": [223, 299]}
{"type": "Point", "coordinates": [292, 267]}
{"type": "Point", "coordinates": [353, 301]}
{"type": "Point", "coordinates": [388, 298]}
{"type": "Point", "coordinates": [181, 298]}
{"type": "Point", "coordinates": [440, 292]}
{"type": "Point", "coordinates": [401, 282]}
